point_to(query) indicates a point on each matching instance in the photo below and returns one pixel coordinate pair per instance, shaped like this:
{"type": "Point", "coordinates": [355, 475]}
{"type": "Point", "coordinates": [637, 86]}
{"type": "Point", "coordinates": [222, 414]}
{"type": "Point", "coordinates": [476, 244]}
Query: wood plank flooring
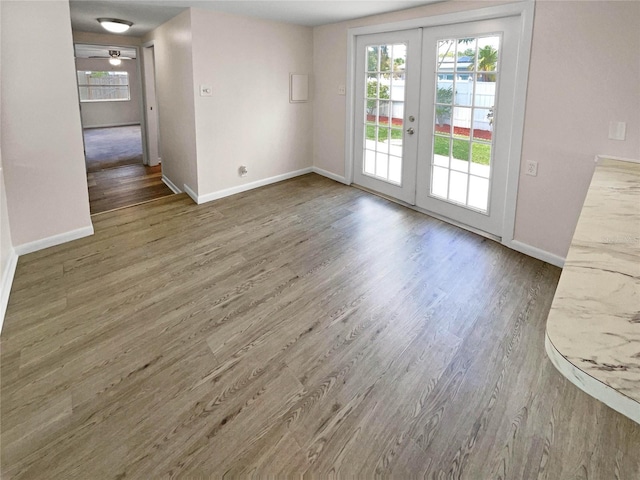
{"type": "Point", "coordinates": [124, 186]}
{"type": "Point", "coordinates": [304, 328]}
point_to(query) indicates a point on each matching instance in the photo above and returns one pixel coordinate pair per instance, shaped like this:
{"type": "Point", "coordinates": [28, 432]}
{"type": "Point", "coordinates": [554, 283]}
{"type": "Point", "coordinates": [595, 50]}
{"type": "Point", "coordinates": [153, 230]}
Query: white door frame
{"type": "Point", "coordinates": [140, 86]}
{"type": "Point", "coordinates": [524, 10]}
{"type": "Point", "coordinates": [149, 101]}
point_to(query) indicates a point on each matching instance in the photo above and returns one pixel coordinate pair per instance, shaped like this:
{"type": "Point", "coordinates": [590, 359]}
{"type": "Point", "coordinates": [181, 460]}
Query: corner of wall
{"type": "Point", "coordinates": [331, 175]}
{"type": "Point", "coordinates": [8, 255]}
{"type": "Point", "coordinates": [53, 240]}
{"type": "Point", "coordinates": [535, 252]}
{"type": "Point", "coordinates": [173, 50]}
{"type": "Point", "coordinates": [44, 198]}
{"type": "Point", "coordinates": [8, 274]}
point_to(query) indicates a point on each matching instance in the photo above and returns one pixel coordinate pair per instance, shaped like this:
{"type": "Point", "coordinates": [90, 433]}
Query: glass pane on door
{"type": "Point", "coordinates": [384, 111]}
{"type": "Point", "coordinates": [466, 82]}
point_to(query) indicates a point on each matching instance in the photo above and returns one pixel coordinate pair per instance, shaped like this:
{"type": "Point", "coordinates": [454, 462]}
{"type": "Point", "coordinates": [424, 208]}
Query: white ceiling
{"type": "Point", "coordinates": [147, 15]}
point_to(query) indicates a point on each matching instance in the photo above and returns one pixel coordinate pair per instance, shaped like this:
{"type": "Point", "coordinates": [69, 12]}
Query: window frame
{"type": "Point", "coordinates": [101, 100]}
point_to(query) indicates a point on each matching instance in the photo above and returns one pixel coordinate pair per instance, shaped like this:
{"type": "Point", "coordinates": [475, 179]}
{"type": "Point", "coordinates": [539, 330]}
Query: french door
{"type": "Point", "coordinates": [468, 88]}
{"type": "Point", "coordinates": [387, 106]}
{"type": "Point", "coordinates": [448, 125]}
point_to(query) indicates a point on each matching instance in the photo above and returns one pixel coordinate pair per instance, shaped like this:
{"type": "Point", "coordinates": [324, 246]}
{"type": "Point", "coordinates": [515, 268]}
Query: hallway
{"type": "Point", "coordinates": [115, 174]}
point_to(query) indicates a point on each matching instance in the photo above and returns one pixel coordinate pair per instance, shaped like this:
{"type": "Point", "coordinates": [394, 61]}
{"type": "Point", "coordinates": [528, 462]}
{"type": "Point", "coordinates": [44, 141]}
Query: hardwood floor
{"type": "Point", "coordinates": [125, 186]}
{"type": "Point", "coordinates": [301, 328]}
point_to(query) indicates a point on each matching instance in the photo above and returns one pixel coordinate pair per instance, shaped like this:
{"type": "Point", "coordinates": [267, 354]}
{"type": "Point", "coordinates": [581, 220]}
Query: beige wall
{"type": "Point", "coordinates": [6, 246]}
{"type": "Point", "coordinates": [115, 40]}
{"type": "Point", "coordinates": [42, 148]}
{"type": "Point", "coordinates": [584, 73]}
{"type": "Point", "coordinates": [107, 114]}
{"type": "Point", "coordinates": [248, 120]}
{"type": "Point", "coordinates": [7, 253]}
{"type": "Point", "coordinates": [175, 96]}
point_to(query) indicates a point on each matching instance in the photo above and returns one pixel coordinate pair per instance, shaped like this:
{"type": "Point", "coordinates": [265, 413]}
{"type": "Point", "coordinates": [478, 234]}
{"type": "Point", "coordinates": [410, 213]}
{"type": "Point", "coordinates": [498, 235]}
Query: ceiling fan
{"type": "Point", "coordinates": [115, 58]}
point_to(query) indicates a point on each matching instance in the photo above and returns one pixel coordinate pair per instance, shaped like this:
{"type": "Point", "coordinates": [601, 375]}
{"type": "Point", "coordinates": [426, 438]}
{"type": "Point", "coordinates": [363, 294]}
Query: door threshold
{"type": "Point", "coordinates": [482, 233]}
{"type": "Point", "coordinates": [135, 204]}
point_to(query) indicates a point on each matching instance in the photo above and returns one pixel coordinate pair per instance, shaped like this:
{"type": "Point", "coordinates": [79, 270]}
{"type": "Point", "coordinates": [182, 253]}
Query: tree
{"type": "Point", "coordinates": [448, 53]}
{"type": "Point", "coordinates": [469, 52]}
{"type": "Point", "coordinates": [372, 59]}
{"type": "Point", "coordinates": [372, 92]}
{"type": "Point", "coordinates": [443, 112]}
{"type": "Point", "coordinates": [487, 60]}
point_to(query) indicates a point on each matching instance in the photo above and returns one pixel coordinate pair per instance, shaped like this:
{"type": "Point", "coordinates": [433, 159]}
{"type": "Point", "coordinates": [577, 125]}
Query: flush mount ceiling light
{"type": "Point", "coordinates": [115, 57]}
{"type": "Point", "coordinates": [114, 25]}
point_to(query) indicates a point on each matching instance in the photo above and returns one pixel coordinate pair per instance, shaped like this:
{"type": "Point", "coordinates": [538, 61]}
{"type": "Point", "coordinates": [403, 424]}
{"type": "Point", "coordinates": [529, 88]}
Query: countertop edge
{"type": "Point", "coordinates": [593, 300]}
{"type": "Point", "coordinates": [591, 385]}
{"type": "Point", "coordinates": [619, 159]}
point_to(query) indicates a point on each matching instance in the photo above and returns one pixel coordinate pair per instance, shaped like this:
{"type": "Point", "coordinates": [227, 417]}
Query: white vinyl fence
{"type": "Point", "coordinates": [484, 101]}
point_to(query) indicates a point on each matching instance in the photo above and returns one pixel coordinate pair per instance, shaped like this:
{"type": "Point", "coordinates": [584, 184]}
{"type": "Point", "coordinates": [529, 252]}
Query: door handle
{"type": "Point", "coordinates": [410, 131]}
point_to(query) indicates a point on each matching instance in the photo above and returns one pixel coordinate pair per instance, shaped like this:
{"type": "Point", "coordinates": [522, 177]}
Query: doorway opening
{"type": "Point", "coordinates": [119, 170]}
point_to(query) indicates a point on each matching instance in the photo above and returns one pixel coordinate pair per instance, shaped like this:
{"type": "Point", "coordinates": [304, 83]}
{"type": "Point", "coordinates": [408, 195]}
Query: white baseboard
{"type": "Point", "coordinates": [208, 197]}
{"type": "Point", "coordinates": [170, 184]}
{"type": "Point", "coordinates": [53, 240]}
{"type": "Point", "coordinates": [194, 196]}
{"type": "Point", "coordinates": [535, 252]}
{"type": "Point", "coordinates": [331, 175]}
{"type": "Point", "coordinates": [512, 244]}
{"type": "Point", "coordinates": [7, 281]}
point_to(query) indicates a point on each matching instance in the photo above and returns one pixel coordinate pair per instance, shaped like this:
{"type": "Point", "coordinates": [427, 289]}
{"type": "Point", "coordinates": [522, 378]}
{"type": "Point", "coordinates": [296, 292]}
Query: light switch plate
{"type": "Point", "coordinates": [617, 130]}
{"type": "Point", "coordinates": [342, 90]}
{"type": "Point", "coordinates": [206, 90]}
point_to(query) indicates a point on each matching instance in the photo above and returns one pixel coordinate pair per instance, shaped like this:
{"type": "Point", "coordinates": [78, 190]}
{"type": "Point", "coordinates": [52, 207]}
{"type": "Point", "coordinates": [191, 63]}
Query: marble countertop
{"type": "Point", "coordinates": [593, 329]}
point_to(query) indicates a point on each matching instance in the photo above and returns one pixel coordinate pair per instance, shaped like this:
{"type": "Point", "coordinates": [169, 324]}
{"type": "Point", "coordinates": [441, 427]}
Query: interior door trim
{"type": "Point", "coordinates": [524, 10]}
{"type": "Point", "coordinates": [139, 86]}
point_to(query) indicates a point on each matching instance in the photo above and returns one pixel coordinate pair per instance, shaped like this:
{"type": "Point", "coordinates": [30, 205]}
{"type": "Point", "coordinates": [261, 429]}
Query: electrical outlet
{"type": "Point", "coordinates": [206, 90]}
{"type": "Point", "coordinates": [342, 90]}
{"type": "Point", "coordinates": [242, 171]}
{"type": "Point", "coordinates": [531, 168]}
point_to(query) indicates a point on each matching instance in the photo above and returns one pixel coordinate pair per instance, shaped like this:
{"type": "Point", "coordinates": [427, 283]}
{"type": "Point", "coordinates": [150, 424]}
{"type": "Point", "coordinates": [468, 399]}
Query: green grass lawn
{"type": "Point", "coordinates": [383, 133]}
{"type": "Point", "coordinates": [480, 153]}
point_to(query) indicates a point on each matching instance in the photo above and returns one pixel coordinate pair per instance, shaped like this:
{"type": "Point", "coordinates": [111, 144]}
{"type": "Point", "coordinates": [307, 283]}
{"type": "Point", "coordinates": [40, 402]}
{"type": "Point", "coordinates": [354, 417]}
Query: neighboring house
{"type": "Point", "coordinates": [463, 64]}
